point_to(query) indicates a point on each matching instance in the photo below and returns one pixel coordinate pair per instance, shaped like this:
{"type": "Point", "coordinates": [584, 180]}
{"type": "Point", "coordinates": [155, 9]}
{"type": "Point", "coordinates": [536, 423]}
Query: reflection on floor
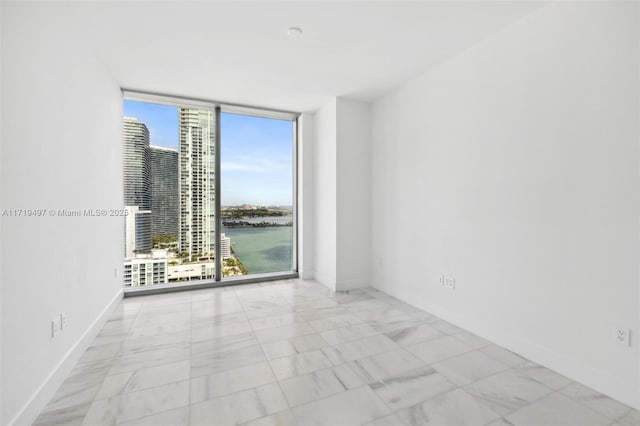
{"type": "Point", "coordinates": [291, 353]}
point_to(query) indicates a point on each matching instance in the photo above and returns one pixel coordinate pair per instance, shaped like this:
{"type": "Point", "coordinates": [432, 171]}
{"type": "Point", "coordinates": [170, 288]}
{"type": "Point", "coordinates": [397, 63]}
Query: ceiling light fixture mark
{"type": "Point", "coordinates": [294, 32]}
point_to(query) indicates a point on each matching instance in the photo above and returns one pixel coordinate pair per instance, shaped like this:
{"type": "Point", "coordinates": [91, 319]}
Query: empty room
{"type": "Point", "coordinates": [383, 213]}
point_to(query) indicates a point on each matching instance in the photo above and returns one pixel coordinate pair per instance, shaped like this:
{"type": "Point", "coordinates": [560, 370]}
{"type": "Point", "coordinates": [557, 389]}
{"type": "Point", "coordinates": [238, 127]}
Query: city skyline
{"type": "Point", "coordinates": [170, 198]}
{"type": "Point", "coordinates": [256, 152]}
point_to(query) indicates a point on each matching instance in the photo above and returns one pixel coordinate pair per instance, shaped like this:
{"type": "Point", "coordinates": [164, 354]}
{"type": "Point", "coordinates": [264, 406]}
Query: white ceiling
{"type": "Point", "coordinates": [239, 51]}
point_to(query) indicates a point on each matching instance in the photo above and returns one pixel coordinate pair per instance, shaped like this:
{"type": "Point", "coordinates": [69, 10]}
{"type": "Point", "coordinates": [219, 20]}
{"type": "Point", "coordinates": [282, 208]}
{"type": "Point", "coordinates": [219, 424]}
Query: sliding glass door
{"type": "Point", "coordinates": [208, 195]}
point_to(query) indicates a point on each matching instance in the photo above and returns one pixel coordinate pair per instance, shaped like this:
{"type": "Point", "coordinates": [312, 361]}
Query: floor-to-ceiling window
{"type": "Point", "coordinates": [209, 192]}
{"type": "Point", "coordinates": [257, 195]}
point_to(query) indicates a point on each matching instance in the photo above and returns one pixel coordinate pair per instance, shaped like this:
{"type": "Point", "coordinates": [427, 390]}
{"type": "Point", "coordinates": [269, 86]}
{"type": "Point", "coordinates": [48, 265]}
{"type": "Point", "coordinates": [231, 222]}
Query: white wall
{"type": "Point", "coordinates": [515, 168]}
{"type": "Point", "coordinates": [324, 193]}
{"type": "Point", "coordinates": [1, 138]}
{"type": "Point", "coordinates": [305, 197]}
{"type": "Point", "coordinates": [342, 194]}
{"type": "Point", "coordinates": [61, 148]}
{"type": "Point", "coordinates": [353, 194]}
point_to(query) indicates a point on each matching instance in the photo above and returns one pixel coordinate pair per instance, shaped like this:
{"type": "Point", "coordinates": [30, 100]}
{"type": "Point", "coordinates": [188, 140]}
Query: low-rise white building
{"type": "Point", "coordinates": [191, 271]}
{"type": "Point", "coordinates": [144, 271]}
{"type": "Point", "coordinates": [225, 246]}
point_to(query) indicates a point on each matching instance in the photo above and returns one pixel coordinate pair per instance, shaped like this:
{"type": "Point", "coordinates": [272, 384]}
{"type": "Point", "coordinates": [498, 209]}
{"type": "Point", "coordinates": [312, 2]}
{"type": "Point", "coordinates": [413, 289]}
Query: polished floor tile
{"type": "Point", "coordinates": [358, 349]}
{"type": "Point", "coordinates": [256, 311]}
{"type": "Point", "coordinates": [500, 422]}
{"type": "Point", "coordinates": [503, 355]}
{"type": "Point", "coordinates": [389, 312]}
{"type": "Point", "coordinates": [412, 387]}
{"type": "Point", "coordinates": [334, 322]}
{"type": "Point", "coordinates": [455, 408]}
{"type": "Point", "coordinates": [294, 346]}
{"type": "Point", "coordinates": [391, 420]}
{"type": "Point", "coordinates": [231, 381]}
{"type": "Point", "coordinates": [439, 349]}
{"type": "Point", "coordinates": [353, 407]}
{"type": "Point", "coordinates": [350, 376]}
{"type": "Point", "coordinates": [468, 367]}
{"type": "Point", "coordinates": [239, 407]}
{"type": "Point", "coordinates": [276, 321]}
{"type": "Point", "coordinates": [298, 364]}
{"type": "Point", "coordinates": [413, 334]}
{"type": "Point", "coordinates": [308, 343]}
{"type": "Point", "coordinates": [557, 409]}
{"type": "Point", "coordinates": [544, 375]}
{"type": "Point", "coordinates": [310, 387]}
{"type": "Point", "coordinates": [76, 391]}
{"type": "Point", "coordinates": [476, 342]}
{"type": "Point", "coordinates": [135, 405]}
{"type": "Point", "coordinates": [218, 361]}
{"type": "Point", "coordinates": [205, 332]}
{"type": "Point", "coordinates": [386, 366]}
{"type": "Point", "coordinates": [385, 324]}
{"type": "Point", "coordinates": [214, 345]}
{"type": "Point", "coordinates": [132, 345]}
{"type": "Point", "coordinates": [602, 404]}
{"type": "Point", "coordinates": [348, 334]}
{"type": "Point", "coordinates": [283, 418]}
{"type": "Point", "coordinates": [175, 417]}
{"type": "Point", "coordinates": [71, 415]}
{"type": "Point", "coordinates": [446, 327]}
{"type": "Point", "coordinates": [289, 331]}
{"type": "Point", "coordinates": [130, 361]}
{"type": "Point", "coordinates": [507, 391]}
{"type": "Point", "coordinates": [292, 353]}
{"type": "Point", "coordinates": [144, 378]}
{"type": "Point", "coordinates": [631, 419]}
{"type": "Point", "coordinates": [155, 328]}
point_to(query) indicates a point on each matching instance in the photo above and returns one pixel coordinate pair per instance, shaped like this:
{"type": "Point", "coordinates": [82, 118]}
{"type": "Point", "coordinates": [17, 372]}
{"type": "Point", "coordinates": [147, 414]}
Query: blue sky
{"type": "Point", "coordinates": [257, 153]}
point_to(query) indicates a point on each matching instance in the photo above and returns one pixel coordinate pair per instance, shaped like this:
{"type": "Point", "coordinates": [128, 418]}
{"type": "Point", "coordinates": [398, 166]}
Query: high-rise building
{"type": "Point", "coordinates": [197, 179]}
{"type": "Point", "coordinates": [137, 165]}
{"type": "Point", "coordinates": [165, 196]}
{"type": "Point", "coordinates": [137, 231]}
{"type": "Point", "coordinates": [137, 186]}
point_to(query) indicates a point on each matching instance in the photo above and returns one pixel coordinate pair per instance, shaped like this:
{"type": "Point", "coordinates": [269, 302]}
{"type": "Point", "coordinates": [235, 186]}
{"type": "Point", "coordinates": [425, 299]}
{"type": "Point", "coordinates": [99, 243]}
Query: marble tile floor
{"type": "Point", "coordinates": [292, 353]}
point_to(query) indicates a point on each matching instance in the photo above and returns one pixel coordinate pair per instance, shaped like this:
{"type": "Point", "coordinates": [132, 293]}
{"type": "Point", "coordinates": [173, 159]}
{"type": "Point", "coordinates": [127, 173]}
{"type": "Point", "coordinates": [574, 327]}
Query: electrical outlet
{"type": "Point", "coordinates": [55, 327]}
{"type": "Point", "coordinates": [622, 336]}
{"type": "Point", "coordinates": [450, 282]}
{"type": "Point", "coordinates": [64, 319]}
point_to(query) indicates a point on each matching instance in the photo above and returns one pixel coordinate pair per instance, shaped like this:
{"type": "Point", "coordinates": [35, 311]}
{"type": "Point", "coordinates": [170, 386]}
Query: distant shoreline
{"type": "Point", "coordinates": [244, 224]}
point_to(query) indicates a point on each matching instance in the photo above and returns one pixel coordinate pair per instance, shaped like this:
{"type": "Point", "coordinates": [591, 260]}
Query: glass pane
{"type": "Point", "coordinates": [169, 194]}
{"type": "Point", "coordinates": [257, 194]}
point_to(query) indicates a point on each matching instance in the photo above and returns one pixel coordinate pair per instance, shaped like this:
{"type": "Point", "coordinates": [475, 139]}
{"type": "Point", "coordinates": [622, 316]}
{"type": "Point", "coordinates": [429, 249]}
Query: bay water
{"type": "Point", "coordinates": [263, 249]}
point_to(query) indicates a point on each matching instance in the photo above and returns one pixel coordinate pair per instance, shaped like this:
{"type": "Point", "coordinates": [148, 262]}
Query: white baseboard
{"type": "Point", "coordinates": [43, 394]}
{"type": "Point", "coordinates": [623, 391]}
